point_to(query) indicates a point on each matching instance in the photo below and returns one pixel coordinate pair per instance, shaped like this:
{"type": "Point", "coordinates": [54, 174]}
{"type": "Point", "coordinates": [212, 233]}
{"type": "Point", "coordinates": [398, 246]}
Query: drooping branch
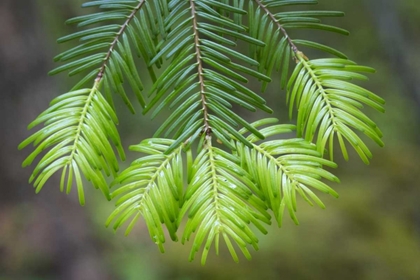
{"type": "Point", "coordinates": [321, 89]}
{"type": "Point", "coordinates": [100, 76]}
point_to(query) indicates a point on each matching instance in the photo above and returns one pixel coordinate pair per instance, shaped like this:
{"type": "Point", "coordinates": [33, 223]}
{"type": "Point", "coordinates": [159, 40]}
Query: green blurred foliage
{"type": "Point", "coordinates": [371, 232]}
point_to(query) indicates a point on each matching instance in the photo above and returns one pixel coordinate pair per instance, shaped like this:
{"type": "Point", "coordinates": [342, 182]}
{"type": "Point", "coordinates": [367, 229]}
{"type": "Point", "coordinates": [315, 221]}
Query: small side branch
{"type": "Point", "coordinates": [207, 128]}
{"type": "Point", "coordinates": [279, 26]}
{"type": "Point", "coordinates": [117, 37]}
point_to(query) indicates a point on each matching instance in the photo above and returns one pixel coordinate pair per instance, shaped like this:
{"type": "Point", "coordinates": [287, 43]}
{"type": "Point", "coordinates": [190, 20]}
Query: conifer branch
{"type": "Point", "coordinates": [226, 194]}
{"type": "Point", "coordinates": [117, 37]}
{"type": "Point", "coordinates": [279, 26]}
{"type": "Point", "coordinates": [207, 128]}
{"type": "Point", "coordinates": [332, 118]}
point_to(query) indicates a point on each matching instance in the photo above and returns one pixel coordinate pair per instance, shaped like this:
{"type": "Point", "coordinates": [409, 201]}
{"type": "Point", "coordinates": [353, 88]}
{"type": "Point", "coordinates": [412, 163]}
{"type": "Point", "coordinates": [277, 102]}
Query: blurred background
{"type": "Point", "coordinates": [371, 232]}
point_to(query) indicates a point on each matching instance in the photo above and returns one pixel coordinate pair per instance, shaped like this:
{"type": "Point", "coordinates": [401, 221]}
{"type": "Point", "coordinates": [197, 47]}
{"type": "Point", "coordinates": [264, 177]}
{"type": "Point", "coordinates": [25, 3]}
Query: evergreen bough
{"type": "Point", "coordinates": [223, 191]}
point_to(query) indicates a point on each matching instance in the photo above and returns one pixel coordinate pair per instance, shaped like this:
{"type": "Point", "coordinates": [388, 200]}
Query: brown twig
{"type": "Point", "coordinates": [207, 128]}
{"type": "Point", "coordinates": [280, 27]}
{"type": "Point", "coordinates": [114, 43]}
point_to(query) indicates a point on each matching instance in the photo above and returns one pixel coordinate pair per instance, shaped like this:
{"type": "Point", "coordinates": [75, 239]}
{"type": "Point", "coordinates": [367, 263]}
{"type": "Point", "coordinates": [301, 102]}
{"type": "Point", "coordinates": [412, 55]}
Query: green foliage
{"type": "Point", "coordinates": [152, 187]}
{"type": "Point", "coordinates": [79, 127]}
{"type": "Point", "coordinates": [220, 200]}
{"type": "Point", "coordinates": [329, 103]}
{"type": "Point", "coordinates": [227, 191]}
{"type": "Point", "coordinates": [283, 168]}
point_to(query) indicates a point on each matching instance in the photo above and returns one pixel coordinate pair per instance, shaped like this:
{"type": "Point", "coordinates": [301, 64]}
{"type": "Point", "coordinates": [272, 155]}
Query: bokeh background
{"type": "Point", "coordinates": [371, 232]}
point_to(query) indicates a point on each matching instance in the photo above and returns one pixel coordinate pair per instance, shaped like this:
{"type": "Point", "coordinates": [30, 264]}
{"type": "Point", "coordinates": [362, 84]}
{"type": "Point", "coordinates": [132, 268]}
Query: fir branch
{"type": "Point", "coordinates": [117, 38]}
{"type": "Point", "coordinates": [311, 83]}
{"type": "Point", "coordinates": [220, 201]}
{"type": "Point", "coordinates": [207, 128]}
{"type": "Point", "coordinates": [330, 105]}
{"type": "Point", "coordinates": [226, 194]}
{"type": "Point", "coordinates": [279, 26]}
{"type": "Point", "coordinates": [152, 187]}
{"type": "Point", "coordinates": [283, 168]}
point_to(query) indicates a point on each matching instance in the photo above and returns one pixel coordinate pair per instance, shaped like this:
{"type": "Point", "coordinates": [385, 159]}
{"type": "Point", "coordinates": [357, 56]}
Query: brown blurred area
{"type": "Point", "coordinates": [371, 232]}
